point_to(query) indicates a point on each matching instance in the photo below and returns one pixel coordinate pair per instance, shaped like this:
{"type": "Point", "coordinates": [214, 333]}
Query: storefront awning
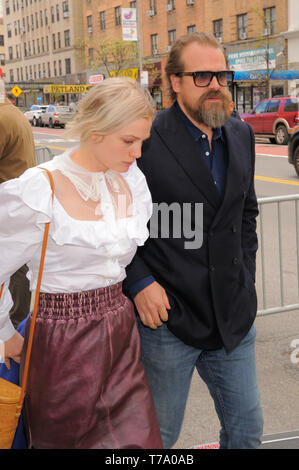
{"type": "Point", "coordinates": [262, 74]}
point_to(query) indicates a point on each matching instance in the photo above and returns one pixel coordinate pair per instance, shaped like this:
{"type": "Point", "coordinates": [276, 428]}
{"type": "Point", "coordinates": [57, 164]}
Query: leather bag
{"type": "Point", "coordinates": [11, 395]}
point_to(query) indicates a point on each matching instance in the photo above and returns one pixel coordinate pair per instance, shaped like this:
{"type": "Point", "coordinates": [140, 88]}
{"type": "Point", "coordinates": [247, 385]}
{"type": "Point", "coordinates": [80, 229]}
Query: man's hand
{"type": "Point", "coordinates": [13, 349]}
{"type": "Point", "coordinates": [152, 305]}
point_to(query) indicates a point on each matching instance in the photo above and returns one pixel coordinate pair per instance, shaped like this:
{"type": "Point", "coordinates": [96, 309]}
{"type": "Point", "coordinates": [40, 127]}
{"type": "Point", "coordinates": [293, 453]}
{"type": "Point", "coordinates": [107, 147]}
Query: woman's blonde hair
{"type": "Point", "coordinates": [109, 106]}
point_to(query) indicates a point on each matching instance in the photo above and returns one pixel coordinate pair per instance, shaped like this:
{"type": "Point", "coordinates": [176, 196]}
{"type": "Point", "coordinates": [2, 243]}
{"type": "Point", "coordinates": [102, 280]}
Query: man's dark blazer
{"type": "Point", "coordinates": [211, 289]}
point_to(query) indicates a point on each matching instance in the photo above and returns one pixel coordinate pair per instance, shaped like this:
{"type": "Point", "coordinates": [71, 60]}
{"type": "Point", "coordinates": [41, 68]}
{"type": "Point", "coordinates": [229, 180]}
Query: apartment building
{"type": "Point", "coordinates": [40, 43]}
{"type": "Point", "coordinates": [249, 31]}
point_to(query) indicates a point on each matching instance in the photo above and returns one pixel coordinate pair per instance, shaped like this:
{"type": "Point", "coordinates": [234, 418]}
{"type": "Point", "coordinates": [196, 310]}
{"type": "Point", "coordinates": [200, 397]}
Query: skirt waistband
{"type": "Point", "coordinates": [80, 304]}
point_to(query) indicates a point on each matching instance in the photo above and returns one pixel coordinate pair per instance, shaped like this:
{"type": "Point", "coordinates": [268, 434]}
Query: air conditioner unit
{"type": "Point", "coordinates": [169, 8]}
{"type": "Point", "coordinates": [190, 3]}
{"type": "Point", "coordinates": [266, 32]}
{"type": "Point", "coordinates": [89, 29]}
{"type": "Point", "coordinates": [168, 48]}
{"type": "Point", "coordinates": [150, 13]}
{"type": "Point", "coordinates": [243, 35]}
{"type": "Point", "coordinates": [22, 30]}
{"type": "Point", "coordinates": [155, 51]}
{"type": "Point", "coordinates": [66, 14]}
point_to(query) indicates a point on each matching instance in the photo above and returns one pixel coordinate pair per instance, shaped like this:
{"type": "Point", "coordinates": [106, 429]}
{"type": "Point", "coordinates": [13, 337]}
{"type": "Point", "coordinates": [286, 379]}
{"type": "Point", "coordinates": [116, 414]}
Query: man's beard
{"type": "Point", "coordinates": [214, 114]}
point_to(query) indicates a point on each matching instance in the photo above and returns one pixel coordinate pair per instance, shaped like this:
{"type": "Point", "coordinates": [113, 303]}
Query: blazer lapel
{"type": "Point", "coordinates": [186, 151]}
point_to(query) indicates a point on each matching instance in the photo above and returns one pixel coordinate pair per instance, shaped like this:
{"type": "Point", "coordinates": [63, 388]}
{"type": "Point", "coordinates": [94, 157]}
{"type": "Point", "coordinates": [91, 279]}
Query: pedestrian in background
{"type": "Point", "coordinates": [197, 305]}
{"type": "Point", "coordinates": [17, 154]}
{"type": "Point", "coordinates": [86, 387]}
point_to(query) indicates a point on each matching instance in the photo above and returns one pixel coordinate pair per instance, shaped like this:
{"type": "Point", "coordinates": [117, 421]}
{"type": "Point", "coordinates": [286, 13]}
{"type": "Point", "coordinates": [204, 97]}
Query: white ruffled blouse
{"type": "Point", "coordinates": [81, 254]}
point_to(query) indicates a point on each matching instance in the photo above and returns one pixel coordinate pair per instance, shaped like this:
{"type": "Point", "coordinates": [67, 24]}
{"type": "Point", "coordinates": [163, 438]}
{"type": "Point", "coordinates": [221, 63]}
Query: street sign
{"type": "Point", "coordinates": [93, 79]}
{"type": "Point", "coordinates": [16, 91]}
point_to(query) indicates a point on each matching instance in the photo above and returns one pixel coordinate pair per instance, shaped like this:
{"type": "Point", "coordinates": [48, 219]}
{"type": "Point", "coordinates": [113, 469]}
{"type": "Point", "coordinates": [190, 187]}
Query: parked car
{"type": "Point", "coordinates": [274, 118]}
{"type": "Point", "coordinates": [57, 116]}
{"type": "Point", "coordinates": [33, 115]}
{"type": "Point", "coordinates": [293, 150]}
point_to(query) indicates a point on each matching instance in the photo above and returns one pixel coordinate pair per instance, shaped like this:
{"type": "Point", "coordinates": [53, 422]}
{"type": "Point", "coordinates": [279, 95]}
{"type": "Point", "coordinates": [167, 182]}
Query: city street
{"type": "Point", "coordinates": [278, 368]}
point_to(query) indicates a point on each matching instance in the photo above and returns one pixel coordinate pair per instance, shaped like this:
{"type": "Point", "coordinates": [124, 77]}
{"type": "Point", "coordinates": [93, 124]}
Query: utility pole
{"type": "Point", "coordinates": [138, 4]}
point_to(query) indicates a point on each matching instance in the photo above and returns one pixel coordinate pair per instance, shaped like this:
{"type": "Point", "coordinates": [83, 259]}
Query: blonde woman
{"type": "Point", "coordinates": [87, 387]}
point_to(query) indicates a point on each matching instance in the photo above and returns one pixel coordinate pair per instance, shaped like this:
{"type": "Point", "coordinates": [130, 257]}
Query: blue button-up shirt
{"type": "Point", "coordinates": [216, 160]}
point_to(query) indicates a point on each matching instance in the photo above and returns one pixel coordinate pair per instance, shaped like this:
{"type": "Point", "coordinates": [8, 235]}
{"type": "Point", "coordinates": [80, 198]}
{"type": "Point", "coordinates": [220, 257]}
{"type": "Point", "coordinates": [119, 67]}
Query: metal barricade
{"type": "Point", "coordinates": [278, 256]}
{"type": "Point", "coordinates": [43, 154]}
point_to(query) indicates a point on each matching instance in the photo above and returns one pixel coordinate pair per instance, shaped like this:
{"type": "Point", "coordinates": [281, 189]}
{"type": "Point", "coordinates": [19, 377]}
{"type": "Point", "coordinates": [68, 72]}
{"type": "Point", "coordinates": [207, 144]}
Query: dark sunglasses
{"type": "Point", "coordinates": [204, 78]}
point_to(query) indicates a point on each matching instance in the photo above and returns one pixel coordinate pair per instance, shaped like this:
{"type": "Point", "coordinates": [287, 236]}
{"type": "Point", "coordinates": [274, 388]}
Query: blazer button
{"type": "Point", "coordinates": [235, 260]}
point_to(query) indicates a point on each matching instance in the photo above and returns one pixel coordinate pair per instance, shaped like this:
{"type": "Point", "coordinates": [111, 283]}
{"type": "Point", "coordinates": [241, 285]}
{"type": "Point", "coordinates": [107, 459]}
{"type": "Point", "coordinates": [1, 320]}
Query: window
{"type": "Point", "coordinates": [191, 29]}
{"type": "Point", "coordinates": [270, 20]}
{"type": "Point", "coordinates": [67, 66]}
{"type": "Point", "coordinates": [170, 5]}
{"type": "Point", "coordinates": [1, 40]}
{"type": "Point", "coordinates": [90, 56]}
{"type": "Point", "coordinates": [291, 105]}
{"type": "Point", "coordinates": [152, 6]}
{"type": "Point", "coordinates": [65, 9]}
{"type": "Point", "coordinates": [60, 67]}
{"type": "Point", "coordinates": [10, 53]}
{"type": "Point", "coordinates": [11, 76]}
{"type": "Point", "coordinates": [261, 108]}
{"type": "Point", "coordinates": [133, 5]}
{"type": "Point", "coordinates": [54, 41]}
{"type": "Point", "coordinates": [117, 16]}
{"type": "Point", "coordinates": [9, 30]}
{"type": "Point", "coordinates": [102, 20]}
{"type": "Point", "coordinates": [171, 36]}
{"type": "Point", "coordinates": [55, 71]}
{"type": "Point", "coordinates": [273, 106]}
{"type": "Point", "coordinates": [218, 29]}
{"type": "Point", "coordinates": [59, 40]}
{"type": "Point", "coordinates": [242, 26]}
{"type": "Point", "coordinates": [89, 24]}
{"type": "Point", "coordinates": [154, 43]}
{"type": "Point", "coordinates": [46, 16]}
{"type": "Point", "coordinates": [2, 59]}
{"type": "Point", "coordinates": [41, 18]}
{"type": "Point", "coordinates": [57, 13]}
{"type": "Point", "coordinates": [67, 40]}
{"type": "Point", "coordinates": [52, 15]}
{"type": "Point", "coordinates": [7, 9]}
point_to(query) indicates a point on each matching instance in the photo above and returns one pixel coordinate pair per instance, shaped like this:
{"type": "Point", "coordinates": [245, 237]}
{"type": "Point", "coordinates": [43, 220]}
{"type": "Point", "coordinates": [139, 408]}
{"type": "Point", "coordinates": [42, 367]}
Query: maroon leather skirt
{"type": "Point", "coordinates": [87, 387]}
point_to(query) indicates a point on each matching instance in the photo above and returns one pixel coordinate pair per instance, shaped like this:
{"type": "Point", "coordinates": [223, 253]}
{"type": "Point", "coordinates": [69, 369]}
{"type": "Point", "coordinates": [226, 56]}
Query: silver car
{"type": "Point", "coordinates": [57, 116]}
{"type": "Point", "coordinates": [34, 113]}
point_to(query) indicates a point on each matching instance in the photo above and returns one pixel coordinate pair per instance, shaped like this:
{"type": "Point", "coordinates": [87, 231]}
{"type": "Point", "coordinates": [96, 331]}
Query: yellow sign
{"type": "Point", "coordinates": [131, 73]}
{"type": "Point", "coordinates": [66, 88]}
{"type": "Point", "coordinates": [16, 91]}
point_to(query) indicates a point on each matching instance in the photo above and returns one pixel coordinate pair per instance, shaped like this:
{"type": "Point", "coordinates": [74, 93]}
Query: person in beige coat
{"type": "Point", "coordinates": [17, 154]}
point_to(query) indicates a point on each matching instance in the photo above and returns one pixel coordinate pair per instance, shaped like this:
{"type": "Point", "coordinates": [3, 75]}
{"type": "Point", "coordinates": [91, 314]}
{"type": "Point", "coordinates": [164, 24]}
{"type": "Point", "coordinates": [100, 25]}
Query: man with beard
{"type": "Point", "coordinates": [197, 304]}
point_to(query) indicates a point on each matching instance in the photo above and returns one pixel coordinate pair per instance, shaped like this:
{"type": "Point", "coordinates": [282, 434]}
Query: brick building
{"type": "Point", "coordinates": [64, 41]}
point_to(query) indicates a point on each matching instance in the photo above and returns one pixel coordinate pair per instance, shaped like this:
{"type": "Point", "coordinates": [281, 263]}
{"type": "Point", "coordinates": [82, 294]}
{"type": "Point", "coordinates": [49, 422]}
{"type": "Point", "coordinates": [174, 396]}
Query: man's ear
{"type": "Point", "coordinates": [175, 83]}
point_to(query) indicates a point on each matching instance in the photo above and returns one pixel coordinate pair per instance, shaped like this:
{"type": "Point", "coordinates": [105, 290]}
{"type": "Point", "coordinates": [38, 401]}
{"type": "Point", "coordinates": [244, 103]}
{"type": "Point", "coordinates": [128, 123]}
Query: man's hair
{"type": "Point", "coordinates": [174, 63]}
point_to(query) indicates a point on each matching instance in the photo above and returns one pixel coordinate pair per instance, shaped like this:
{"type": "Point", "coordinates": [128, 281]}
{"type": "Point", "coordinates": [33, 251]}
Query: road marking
{"type": "Point", "coordinates": [276, 180]}
{"type": "Point", "coordinates": [270, 155]}
{"type": "Point", "coordinates": [279, 440]}
{"type": "Point", "coordinates": [38, 144]}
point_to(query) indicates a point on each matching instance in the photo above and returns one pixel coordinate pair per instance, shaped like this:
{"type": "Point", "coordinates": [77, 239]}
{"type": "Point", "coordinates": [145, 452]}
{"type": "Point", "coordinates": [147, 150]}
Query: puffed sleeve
{"type": "Point", "coordinates": [142, 205]}
{"type": "Point", "coordinates": [25, 207]}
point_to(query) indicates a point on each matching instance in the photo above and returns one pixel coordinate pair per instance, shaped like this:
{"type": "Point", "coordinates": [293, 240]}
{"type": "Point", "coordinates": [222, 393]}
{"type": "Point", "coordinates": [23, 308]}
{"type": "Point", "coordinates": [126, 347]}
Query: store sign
{"type": "Point", "coordinates": [253, 59]}
{"type": "Point", "coordinates": [129, 24]}
{"type": "Point", "coordinates": [66, 88]}
{"type": "Point", "coordinates": [131, 73]}
{"type": "Point", "coordinates": [94, 79]}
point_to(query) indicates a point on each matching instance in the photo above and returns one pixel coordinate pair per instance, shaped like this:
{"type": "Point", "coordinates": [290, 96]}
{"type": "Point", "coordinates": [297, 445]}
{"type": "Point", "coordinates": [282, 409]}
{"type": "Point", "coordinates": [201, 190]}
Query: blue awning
{"type": "Point", "coordinates": [262, 74]}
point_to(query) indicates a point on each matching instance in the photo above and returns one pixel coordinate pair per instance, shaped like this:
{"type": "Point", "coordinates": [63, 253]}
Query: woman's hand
{"type": "Point", "coordinates": [152, 305]}
{"type": "Point", "coordinates": [13, 349]}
